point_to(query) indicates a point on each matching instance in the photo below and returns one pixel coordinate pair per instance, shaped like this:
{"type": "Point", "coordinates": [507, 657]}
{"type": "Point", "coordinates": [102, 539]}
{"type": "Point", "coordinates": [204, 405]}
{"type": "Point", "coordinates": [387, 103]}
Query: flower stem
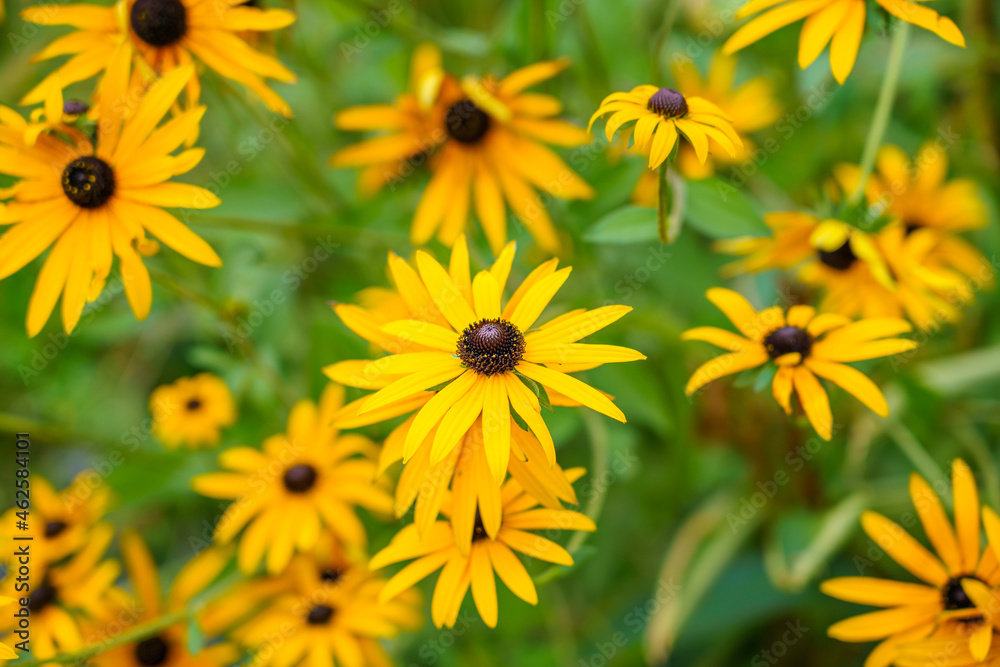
{"type": "Point", "coordinates": [663, 204]}
{"type": "Point", "coordinates": [883, 108]}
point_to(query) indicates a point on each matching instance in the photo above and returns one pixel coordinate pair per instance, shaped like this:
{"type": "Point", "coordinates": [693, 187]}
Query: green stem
{"type": "Point", "coordinates": [663, 204]}
{"type": "Point", "coordinates": [916, 453]}
{"type": "Point", "coordinates": [883, 108]}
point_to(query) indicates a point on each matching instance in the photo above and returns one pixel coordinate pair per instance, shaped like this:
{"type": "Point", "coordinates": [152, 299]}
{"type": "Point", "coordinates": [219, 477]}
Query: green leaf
{"type": "Point", "coordinates": [520, 422]}
{"type": "Point", "coordinates": [439, 387]}
{"type": "Point", "coordinates": [628, 224]}
{"type": "Point", "coordinates": [764, 377]}
{"type": "Point", "coordinates": [720, 210]}
{"type": "Point", "coordinates": [539, 390]}
{"type": "Point", "coordinates": [196, 637]}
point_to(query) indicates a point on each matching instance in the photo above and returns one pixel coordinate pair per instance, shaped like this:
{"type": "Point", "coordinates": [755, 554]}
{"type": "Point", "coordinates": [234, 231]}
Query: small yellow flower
{"type": "Point", "coordinates": [191, 411]}
{"type": "Point", "coordinates": [803, 345]}
{"type": "Point", "coordinates": [304, 480]}
{"type": "Point", "coordinates": [660, 114]}
{"type": "Point", "coordinates": [92, 204]}
{"type": "Point", "coordinates": [839, 23]}
{"type": "Point", "coordinates": [469, 553]}
{"type": "Point", "coordinates": [163, 36]}
{"type": "Point", "coordinates": [940, 606]}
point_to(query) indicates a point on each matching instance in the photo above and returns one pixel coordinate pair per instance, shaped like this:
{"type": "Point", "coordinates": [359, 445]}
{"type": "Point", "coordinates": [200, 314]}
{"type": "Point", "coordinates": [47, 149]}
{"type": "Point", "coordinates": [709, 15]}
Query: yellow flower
{"type": "Point", "coordinates": [163, 35]}
{"type": "Point", "coordinates": [659, 114]}
{"type": "Point", "coordinates": [839, 23]}
{"type": "Point", "coordinates": [305, 480]}
{"type": "Point", "coordinates": [939, 605]}
{"type": "Point", "coordinates": [469, 555]}
{"type": "Point", "coordinates": [414, 122]}
{"type": "Point", "coordinates": [327, 611]}
{"type": "Point", "coordinates": [61, 522]}
{"type": "Point", "coordinates": [192, 410]}
{"type": "Point", "coordinates": [6, 651]}
{"type": "Point", "coordinates": [466, 469]}
{"type": "Point", "coordinates": [803, 345]}
{"type": "Point", "coordinates": [477, 356]}
{"type": "Point", "coordinates": [752, 105]}
{"type": "Point", "coordinates": [490, 157]}
{"type": "Point", "coordinates": [169, 646]}
{"type": "Point", "coordinates": [62, 596]}
{"type": "Point", "coordinates": [94, 204]}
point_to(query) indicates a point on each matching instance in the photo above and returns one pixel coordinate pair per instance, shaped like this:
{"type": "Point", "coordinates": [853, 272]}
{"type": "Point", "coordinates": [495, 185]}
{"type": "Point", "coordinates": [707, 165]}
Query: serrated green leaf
{"type": "Point", "coordinates": [628, 224]}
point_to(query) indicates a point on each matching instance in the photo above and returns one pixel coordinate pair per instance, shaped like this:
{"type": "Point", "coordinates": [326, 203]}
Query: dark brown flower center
{"type": "Point", "coordinates": [75, 108]}
{"type": "Point", "coordinates": [89, 182]}
{"type": "Point", "coordinates": [330, 574]}
{"type": "Point", "coordinates": [491, 346]}
{"type": "Point", "coordinates": [319, 615]}
{"type": "Point", "coordinates": [953, 596]}
{"type": "Point", "coordinates": [466, 122]}
{"type": "Point", "coordinates": [479, 530]}
{"type": "Point", "coordinates": [668, 103]}
{"type": "Point", "coordinates": [193, 404]}
{"type": "Point", "coordinates": [300, 478]}
{"type": "Point", "coordinates": [787, 340]}
{"type": "Point", "coordinates": [159, 22]}
{"type": "Point", "coordinates": [840, 259]}
{"type": "Point", "coordinates": [152, 651]}
{"type": "Point", "coordinates": [54, 528]}
{"type": "Point", "coordinates": [41, 597]}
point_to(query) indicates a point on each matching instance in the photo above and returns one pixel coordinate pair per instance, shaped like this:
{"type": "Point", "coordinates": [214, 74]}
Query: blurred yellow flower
{"type": "Point", "coordinates": [171, 645]}
{"type": "Point", "coordinates": [479, 357]}
{"type": "Point", "coordinates": [939, 606]}
{"type": "Point", "coordinates": [191, 411]}
{"type": "Point", "coordinates": [488, 156]}
{"type": "Point", "coordinates": [469, 556]}
{"type": "Point", "coordinates": [163, 35]}
{"type": "Point", "coordinates": [839, 23]}
{"type": "Point", "coordinates": [660, 114]}
{"type": "Point", "coordinates": [97, 203]}
{"type": "Point", "coordinates": [803, 345]}
{"type": "Point", "coordinates": [309, 478]}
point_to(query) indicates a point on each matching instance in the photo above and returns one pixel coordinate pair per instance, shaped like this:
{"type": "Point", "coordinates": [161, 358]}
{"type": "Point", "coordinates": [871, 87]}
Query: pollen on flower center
{"type": "Point", "coordinates": [953, 595]}
{"type": "Point", "coordinates": [88, 182]}
{"type": "Point", "coordinates": [152, 651]}
{"type": "Point", "coordinates": [159, 22]}
{"type": "Point", "coordinates": [491, 346]}
{"type": "Point", "coordinates": [54, 528]}
{"type": "Point", "coordinates": [840, 259]}
{"type": "Point", "coordinates": [300, 478]}
{"type": "Point", "coordinates": [319, 615]}
{"type": "Point", "coordinates": [466, 122]}
{"type": "Point", "coordinates": [787, 340]}
{"type": "Point", "coordinates": [668, 103]}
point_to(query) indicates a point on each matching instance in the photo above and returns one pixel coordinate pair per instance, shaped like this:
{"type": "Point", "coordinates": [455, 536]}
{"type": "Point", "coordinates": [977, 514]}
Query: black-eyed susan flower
{"type": "Point", "coordinates": [310, 478]}
{"type": "Point", "coordinates": [326, 610]}
{"type": "Point", "coordinates": [661, 116]}
{"type": "Point", "coordinates": [61, 597]}
{"type": "Point", "coordinates": [468, 556]}
{"type": "Point", "coordinates": [163, 35]}
{"type": "Point", "coordinates": [492, 157]}
{"type": "Point", "coordinates": [483, 357]}
{"type": "Point", "coordinates": [61, 521]}
{"type": "Point", "coordinates": [413, 126]}
{"type": "Point", "coordinates": [466, 472]}
{"type": "Point", "coordinates": [92, 204]}
{"type": "Point", "coordinates": [802, 345]}
{"type": "Point", "coordinates": [939, 605]}
{"type": "Point", "coordinates": [192, 410]}
{"type": "Point", "coordinates": [839, 23]}
{"type": "Point", "coordinates": [170, 646]}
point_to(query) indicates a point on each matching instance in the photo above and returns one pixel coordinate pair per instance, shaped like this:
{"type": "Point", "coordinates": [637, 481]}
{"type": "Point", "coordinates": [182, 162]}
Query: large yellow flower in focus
{"type": "Point", "coordinates": [803, 345]}
{"type": "Point", "coordinates": [839, 23]}
{"type": "Point", "coordinates": [483, 357]}
{"type": "Point", "coordinates": [95, 203]}
{"type": "Point", "coordinates": [165, 35]}
{"type": "Point", "coordinates": [939, 604]}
